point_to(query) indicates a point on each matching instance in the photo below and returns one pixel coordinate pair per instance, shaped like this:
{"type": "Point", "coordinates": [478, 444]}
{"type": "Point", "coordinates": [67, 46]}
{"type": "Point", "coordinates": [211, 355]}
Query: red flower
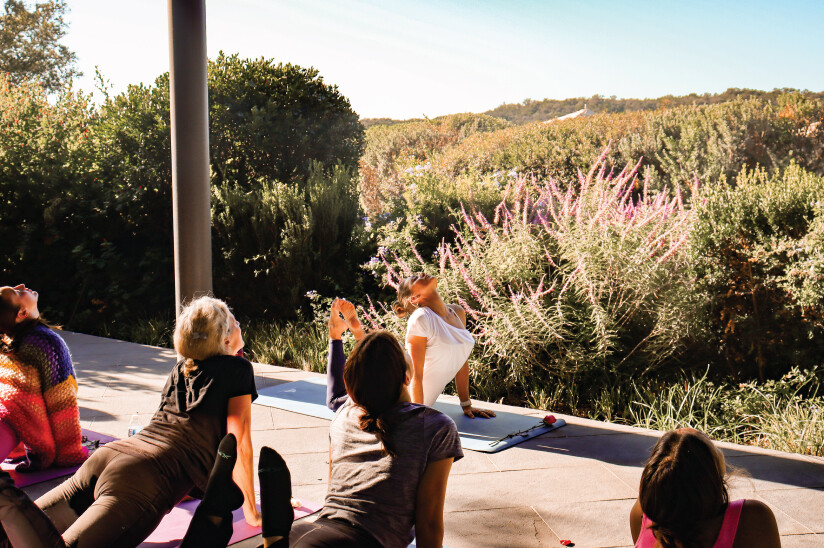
{"type": "Point", "coordinates": [549, 420]}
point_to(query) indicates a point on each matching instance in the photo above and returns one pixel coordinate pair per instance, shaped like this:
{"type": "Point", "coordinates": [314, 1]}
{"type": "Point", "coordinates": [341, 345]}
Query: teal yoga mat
{"type": "Point", "coordinates": [308, 397]}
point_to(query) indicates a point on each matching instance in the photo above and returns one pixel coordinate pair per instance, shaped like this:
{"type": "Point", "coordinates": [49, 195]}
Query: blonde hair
{"type": "Point", "coordinates": [402, 307]}
{"type": "Point", "coordinates": [200, 331]}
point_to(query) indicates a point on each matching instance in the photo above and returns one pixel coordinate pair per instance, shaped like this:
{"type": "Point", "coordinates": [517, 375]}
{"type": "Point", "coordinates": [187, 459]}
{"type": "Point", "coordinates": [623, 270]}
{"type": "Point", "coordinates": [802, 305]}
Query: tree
{"type": "Point", "coordinates": [30, 48]}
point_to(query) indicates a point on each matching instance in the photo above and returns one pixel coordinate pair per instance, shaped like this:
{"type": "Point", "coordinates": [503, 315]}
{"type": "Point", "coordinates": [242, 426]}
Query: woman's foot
{"type": "Point", "coordinates": [337, 327]}
{"type": "Point", "coordinates": [350, 317]}
{"type": "Point", "coordinates": [275, 496]}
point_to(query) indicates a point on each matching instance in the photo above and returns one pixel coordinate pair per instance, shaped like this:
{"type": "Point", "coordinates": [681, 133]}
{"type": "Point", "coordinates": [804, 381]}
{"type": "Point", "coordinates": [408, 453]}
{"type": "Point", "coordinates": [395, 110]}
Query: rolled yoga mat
{"type": "Point", "coordinates": [174, 525]}
{"type": "Point", "coordinates": [308, 397]}
{"type": "Point", "coordinates": [91, 440]}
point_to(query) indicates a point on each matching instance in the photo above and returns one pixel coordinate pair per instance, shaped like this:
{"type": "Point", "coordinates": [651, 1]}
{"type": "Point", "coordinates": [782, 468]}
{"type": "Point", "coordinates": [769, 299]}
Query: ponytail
{"type": "Point", "coordinates": [380, 426]}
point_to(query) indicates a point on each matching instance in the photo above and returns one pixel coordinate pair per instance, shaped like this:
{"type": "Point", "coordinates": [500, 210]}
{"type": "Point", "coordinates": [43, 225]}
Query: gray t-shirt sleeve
{"type": "Point", "coordinates": [445, 442]}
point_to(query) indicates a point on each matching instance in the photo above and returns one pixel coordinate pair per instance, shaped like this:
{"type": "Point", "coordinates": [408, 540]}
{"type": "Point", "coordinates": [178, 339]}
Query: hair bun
{"type": "Point", "coordinates": [399, 310]}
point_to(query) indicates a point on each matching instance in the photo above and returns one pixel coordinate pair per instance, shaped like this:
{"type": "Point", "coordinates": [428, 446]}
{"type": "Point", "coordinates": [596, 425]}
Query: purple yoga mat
{"type": "Point", "coordinates": [22, 479]}
{"type": "Point", "coordinates": [173, 527]}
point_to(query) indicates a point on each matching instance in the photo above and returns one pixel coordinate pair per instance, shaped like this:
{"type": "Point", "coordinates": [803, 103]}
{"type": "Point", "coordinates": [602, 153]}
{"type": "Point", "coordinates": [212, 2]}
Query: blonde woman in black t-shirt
{"type": "Point", "coordinates": [199, 437]}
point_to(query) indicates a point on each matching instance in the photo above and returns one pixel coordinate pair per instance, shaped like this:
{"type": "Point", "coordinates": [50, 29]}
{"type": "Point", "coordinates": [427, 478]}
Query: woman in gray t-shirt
{"type": "Point", "coordinates": [389, 462]}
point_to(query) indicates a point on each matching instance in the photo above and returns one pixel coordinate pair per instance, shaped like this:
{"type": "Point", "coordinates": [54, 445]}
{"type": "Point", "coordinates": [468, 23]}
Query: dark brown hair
{"type": "Point", "coordinates": [11, 332]}
{"type": "Point", "coordinates": [374, 376]}
{"type": "Point", "coordinates": [682, 487]}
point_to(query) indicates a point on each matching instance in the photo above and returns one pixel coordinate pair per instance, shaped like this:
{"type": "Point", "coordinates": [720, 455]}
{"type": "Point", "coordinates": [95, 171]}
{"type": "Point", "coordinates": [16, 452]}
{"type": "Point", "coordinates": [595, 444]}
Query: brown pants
{"type": "Point", "coordinates": [114, 499]}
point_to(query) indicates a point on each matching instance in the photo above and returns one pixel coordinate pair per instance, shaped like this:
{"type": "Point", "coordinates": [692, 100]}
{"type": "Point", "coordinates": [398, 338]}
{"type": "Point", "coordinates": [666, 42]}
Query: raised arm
{"type": "Point", "coordinates": [417, 349]}
{"type": "Point", "coordinates": [429, 504]}
{"type": "Point", "coordinates": [239, 423]}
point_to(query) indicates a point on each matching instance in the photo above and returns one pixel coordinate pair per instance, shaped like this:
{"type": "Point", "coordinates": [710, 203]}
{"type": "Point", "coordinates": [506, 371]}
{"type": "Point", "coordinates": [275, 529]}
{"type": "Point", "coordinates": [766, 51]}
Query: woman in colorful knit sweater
{"type": "Point", "coordinates": [38, 389]}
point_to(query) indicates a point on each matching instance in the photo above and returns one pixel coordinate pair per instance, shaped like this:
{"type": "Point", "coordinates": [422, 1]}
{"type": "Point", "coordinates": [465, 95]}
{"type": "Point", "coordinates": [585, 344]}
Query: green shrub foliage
{"type": "Point", "coordinates": [90, 222]}
{"type": "Point", "coordinates": [271, 121]}
{"type": "Point", "coordinates": [282, 240]}
{"type": "Point", "coordinates": [758, 251]}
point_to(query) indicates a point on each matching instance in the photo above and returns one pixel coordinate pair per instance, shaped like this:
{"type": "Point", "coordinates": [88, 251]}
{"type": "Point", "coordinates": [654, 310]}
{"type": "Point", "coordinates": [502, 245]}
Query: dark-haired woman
{"type": "Point", "coordinates": [389, 462]}
{"type": "Point", "coordinates": [683, 500]}
{"type": "Point", "coordinates": [121, 493]}
{"type": "Point", "coordinates": [38, 389]}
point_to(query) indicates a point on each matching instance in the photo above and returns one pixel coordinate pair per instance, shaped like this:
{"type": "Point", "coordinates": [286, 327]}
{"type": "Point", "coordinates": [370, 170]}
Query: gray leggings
{"type": "Point", "coordinates": [114, 500]}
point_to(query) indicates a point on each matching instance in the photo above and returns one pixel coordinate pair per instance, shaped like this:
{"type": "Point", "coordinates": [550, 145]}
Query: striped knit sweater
{"type": "Point", "coordinates": [38, 398]}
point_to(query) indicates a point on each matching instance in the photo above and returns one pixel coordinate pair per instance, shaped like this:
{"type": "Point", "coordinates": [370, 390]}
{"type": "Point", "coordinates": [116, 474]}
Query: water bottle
{"type": "Point", "coordinates": [135, 425]}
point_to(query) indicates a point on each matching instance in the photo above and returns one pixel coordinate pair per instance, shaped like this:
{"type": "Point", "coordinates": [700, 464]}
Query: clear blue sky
{"type": "Point", "coordinates": [423, 57]}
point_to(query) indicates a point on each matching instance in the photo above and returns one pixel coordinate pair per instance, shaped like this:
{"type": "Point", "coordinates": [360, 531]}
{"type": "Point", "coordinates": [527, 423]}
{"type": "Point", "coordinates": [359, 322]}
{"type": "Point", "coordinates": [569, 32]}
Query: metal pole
{"type": "Point", "coordinates": [190, 149]}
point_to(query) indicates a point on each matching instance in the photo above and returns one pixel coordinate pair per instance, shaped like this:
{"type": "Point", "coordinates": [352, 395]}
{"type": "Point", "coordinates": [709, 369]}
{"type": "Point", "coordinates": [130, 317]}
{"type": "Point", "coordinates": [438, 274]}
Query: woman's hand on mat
{"type": "Point", "coordinates": [473, 412]}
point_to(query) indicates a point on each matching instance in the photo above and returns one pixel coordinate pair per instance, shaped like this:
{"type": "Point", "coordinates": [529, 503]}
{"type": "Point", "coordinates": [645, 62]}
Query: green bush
{"type": "Point", "coordinates": [758, 255]}
{"type": "Point", "coordinates": [271, 121]}
{"type": "Point", "coordinates": [275, 242]}
{"type": "Point", "coordinates": [93, 230]}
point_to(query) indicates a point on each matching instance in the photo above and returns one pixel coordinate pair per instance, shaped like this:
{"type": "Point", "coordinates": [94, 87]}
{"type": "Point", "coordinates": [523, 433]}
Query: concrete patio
{"type": "Point", "coordinates": [576, 483]}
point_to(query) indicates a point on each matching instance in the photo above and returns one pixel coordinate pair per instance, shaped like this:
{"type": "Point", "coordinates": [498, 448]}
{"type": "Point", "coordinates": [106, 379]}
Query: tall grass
{"type": "Point", "coordinates": [300, 345]}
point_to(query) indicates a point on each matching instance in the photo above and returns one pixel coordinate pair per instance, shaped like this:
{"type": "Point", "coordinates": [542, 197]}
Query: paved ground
{"type": "Point", "coordinates": [576, 483]}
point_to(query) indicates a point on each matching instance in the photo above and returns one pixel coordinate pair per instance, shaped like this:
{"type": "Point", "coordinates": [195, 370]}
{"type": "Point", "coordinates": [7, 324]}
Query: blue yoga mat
{"type": "Point", "coordinates": [308, 397]}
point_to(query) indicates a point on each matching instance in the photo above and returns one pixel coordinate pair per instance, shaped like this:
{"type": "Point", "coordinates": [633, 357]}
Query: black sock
{"type": "Point", "coordinates": [276, 509]}
{"type": "Point", "coordinates": [211, 526]}
{"type": "Point", "coordinates": [207, 530]}
{"type": "Point", "coordinates": [222, 494]}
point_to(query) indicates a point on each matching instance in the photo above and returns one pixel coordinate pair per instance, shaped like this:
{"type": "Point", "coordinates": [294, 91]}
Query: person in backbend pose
{"type": "Point", "coordinates": [683, 500]}
{"type": "Point", "coordinates": [38, 389]}
{"type": "Point", "coordinates": [124, 489]}
{"type": "Point", "coordinates": [436, 339]}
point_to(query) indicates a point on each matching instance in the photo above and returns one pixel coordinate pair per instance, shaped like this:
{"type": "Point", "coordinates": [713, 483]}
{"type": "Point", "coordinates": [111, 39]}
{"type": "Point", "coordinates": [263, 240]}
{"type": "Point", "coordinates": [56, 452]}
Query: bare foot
{"type": "Point", "coordinates": [350, 316]}
{"type": "Point", "coordinates": [337, 326]}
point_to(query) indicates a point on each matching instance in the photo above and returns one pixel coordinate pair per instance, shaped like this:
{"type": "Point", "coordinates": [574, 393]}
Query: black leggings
{"type": "Point", "coordinates": [330, 533]}
{"type": "Point", "coordinates": [335, 387]}
{"type": "Point", "coordinates": [114, 500]}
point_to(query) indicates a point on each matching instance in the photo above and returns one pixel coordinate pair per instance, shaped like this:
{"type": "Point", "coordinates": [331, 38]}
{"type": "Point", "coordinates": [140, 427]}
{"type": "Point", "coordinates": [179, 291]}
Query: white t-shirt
{"type": "Point", "coordinates": [447, 349]}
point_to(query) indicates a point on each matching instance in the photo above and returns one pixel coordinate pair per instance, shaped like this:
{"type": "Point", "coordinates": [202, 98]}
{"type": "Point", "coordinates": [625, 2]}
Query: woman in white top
{"type": "Point", "coordinates": [437, 340]}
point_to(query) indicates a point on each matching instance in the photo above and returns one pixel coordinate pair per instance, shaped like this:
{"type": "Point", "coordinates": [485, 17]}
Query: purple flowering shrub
{"type": "Point", "coordinates": [563, 280]}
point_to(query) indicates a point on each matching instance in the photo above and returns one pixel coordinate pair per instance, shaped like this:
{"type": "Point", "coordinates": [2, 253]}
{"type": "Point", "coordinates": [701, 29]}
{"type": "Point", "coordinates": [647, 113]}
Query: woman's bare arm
{"type": "Point", "coordinates": [757, 527]}
{"type": "Point", "coordinates": [462, 378]}
{"type": "Point", "coordinates": [635, 518]}
{"type": "Point", "coordinates": [429, 504]}
{"type": "Point", "coordinates": [239, 423]}
{"type": "Point", "coordinates": [417, 349]}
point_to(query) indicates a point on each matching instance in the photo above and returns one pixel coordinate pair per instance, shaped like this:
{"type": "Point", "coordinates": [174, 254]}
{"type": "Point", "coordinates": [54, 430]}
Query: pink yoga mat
{"type": "Point", "coordinates": [173, 527]}
{"type": "Point", "coordinates": [22, 479]}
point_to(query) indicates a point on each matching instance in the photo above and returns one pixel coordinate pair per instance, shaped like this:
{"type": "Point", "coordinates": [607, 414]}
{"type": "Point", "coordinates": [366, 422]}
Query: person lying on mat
{"type": "Point", "coordinates": [122, 492]}
{"type": "Point", "coordinates": [38, 389]}
{"type": "Point", "coordinates": [389, 461]}
{"type": "Point", "coordinates": [683, 500]}
{"type": "Point", "coordinates": [436, 338]}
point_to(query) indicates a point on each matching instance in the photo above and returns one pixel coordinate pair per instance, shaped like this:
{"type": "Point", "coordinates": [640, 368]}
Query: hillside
{"type": "Point", "coordinates": [547, 109]}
